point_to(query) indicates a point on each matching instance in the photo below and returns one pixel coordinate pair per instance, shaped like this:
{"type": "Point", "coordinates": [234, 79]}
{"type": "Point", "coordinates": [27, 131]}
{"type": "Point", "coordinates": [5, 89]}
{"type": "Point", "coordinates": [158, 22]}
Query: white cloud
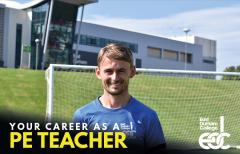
{"type": "Point", "coordinates": [221, 24]}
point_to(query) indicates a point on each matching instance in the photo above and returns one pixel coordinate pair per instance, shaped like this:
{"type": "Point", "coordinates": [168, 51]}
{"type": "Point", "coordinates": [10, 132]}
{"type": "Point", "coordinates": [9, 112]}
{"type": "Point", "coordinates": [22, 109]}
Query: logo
{"type": "Point", "coordinates": [213, 140]}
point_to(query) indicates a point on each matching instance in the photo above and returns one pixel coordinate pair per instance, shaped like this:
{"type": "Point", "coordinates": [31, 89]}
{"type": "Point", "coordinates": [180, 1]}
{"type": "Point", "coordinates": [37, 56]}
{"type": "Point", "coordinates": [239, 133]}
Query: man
{"type": "Point", "coordinates": [116, 109]}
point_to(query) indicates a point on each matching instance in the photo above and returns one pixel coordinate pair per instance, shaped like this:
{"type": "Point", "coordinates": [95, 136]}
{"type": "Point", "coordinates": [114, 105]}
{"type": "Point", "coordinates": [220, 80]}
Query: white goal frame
{"type": "Point", "coordinates": [49, 76]}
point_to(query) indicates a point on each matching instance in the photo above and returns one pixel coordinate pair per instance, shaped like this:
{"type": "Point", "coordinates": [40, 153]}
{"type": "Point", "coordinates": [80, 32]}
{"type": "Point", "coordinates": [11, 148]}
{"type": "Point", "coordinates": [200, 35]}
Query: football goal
{"type": "Point", "coordinates": [188, 103]}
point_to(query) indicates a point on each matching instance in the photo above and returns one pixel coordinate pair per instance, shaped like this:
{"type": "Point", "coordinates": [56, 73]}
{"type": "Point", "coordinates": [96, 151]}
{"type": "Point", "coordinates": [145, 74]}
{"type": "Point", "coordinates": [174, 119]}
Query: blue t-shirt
{"type": "Point", "coordinates": [140, 123]}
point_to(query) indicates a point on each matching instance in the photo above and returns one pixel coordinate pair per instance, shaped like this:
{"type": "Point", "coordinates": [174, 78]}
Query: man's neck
{"type": "Point", "coordinates": [114, 101]}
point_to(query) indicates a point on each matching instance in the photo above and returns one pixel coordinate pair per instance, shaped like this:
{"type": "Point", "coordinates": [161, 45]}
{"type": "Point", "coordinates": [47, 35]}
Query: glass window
{"type": "Point", "coordinates": [170, 54]}
{"type": "Point", "coordinates": [101, 42]}
{"type": "Point", "coordinates": [75, 38]}
{"type": "Point", "coordinates": [93, 41]}
{"type": "Point", "coordinates": [39, 17]}
{"type": "Point", "coordinates": [154, 52]}
{"type": "Point", "coordinates": [182, 57]}
{"type": "Point", "coordinates": [18, 45]}
{"type": "Point", "coordinates": [189, 57]}
{"type": "Point", "coordinates": [83, 40]}
{"type": "Point", "coordinates": [208, 61]}
{"type": "Point", "coordinates": [61, 33]}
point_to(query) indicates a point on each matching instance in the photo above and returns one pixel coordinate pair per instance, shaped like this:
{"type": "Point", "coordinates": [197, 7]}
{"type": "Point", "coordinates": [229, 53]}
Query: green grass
{"type": "Point", "coordinates": [179, 102]}
{"type": "Point", "coordinates": [22, 92]}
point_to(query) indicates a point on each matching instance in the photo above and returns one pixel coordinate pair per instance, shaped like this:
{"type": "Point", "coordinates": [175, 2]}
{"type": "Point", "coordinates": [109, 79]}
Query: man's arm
{"type": "Point", "coordinates": [154, 139]}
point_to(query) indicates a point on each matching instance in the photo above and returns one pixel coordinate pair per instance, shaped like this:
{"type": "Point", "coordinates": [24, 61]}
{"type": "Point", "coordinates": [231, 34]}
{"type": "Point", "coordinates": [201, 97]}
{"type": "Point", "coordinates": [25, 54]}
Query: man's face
{"type": "Point", "coordinates": [115, 75]}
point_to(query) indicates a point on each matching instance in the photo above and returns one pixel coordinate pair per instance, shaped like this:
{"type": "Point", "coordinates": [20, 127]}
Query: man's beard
{"type": "Point", "coordinates": [121, 88]}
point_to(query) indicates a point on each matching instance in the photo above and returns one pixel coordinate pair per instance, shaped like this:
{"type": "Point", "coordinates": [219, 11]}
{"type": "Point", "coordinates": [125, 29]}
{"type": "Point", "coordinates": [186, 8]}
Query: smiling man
{"type": "Point", "coordinates": [116, 110]}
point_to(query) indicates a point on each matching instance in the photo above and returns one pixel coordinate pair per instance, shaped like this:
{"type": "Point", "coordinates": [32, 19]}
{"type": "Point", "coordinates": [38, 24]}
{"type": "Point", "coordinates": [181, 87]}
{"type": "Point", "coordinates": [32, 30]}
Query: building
{"type": "Point", "coordinates": [47, 26]}
{"type": "Point", "coordinates": [208, 49]}
{"type": "Point", "coordinates": [149, 51]}
{"type": "Point", "coordinates": [69, 42]}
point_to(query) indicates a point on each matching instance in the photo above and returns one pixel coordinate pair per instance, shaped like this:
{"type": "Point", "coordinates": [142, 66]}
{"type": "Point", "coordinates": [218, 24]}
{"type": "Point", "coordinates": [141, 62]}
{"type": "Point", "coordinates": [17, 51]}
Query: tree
{"type": "Point", "coordinates": [238, 68]}
{"type": "Point", "coordinates": [232, 69]}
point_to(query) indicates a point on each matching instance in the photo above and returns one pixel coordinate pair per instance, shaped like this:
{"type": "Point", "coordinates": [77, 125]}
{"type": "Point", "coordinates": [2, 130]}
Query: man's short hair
{"type": "Point", "coordinates": [115, 51]}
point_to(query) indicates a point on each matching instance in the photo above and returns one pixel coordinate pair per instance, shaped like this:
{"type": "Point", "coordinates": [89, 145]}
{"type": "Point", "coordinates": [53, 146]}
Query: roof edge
{"type": "Point", "coordinates": [37, 2]}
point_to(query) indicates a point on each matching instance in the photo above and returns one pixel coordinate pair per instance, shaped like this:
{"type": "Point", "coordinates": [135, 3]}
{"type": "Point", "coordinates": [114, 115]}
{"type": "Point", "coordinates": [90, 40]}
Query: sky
{"type": "Point", "coordinates": [213, 19]}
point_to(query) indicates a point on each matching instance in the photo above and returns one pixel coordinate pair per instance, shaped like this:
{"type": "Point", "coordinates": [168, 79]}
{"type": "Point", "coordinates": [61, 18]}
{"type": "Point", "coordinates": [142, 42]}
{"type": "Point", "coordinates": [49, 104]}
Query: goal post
{"type": "Point", "coordinates": [180, 98]}
{"type": "Point", "coordinates": [49, 76]}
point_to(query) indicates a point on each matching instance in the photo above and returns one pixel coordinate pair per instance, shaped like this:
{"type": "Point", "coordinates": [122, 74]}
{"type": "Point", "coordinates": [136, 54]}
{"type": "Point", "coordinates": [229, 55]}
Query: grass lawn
{"type": "Point", "coordinates": [179, 102]}
{"type": "Point", "coordinates": [22, 92]}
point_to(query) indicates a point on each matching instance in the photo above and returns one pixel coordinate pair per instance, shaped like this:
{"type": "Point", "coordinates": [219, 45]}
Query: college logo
{"type": "Point", "coordinates": [213, 140]}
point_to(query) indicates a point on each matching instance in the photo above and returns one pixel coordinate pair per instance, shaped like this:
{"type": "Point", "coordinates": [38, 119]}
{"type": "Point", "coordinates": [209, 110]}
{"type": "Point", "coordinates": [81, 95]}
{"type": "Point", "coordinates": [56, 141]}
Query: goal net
{"type": "Point", "coordinates": [188, 103]}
